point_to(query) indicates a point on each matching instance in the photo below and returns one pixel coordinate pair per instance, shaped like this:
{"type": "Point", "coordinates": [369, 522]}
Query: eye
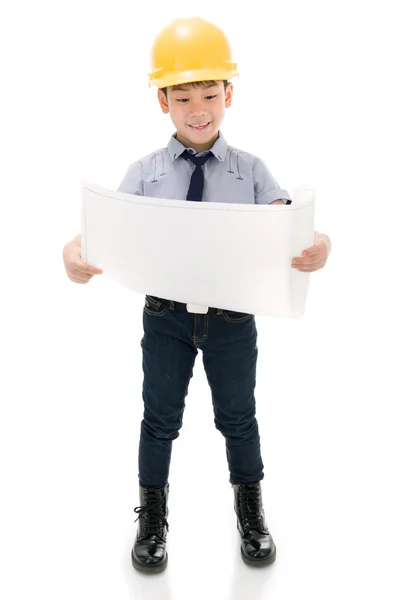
{"type": "Point", "coordinates": [211, 97]}
{"type": "Point", "coordinates": [183, 100]}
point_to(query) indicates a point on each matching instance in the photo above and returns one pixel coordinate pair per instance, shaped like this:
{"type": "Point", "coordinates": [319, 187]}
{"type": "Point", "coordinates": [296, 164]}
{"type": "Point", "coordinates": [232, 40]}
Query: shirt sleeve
{"type": "Point", "coordinates": [132, 183]}
{"type": "Point", "coordinates": [266, 189]}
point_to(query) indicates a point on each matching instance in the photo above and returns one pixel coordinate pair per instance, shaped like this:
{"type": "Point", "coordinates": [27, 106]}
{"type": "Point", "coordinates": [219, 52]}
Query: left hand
{"type": "Point", "coordinates": [313, 258]}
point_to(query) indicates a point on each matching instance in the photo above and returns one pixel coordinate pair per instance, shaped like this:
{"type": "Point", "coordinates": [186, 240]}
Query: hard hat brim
{"type": "Point", "coordinates": [161, 80]}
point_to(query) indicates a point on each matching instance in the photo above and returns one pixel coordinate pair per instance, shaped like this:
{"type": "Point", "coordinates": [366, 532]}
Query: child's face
{"type": "Point", "coordinates": [197, 112]}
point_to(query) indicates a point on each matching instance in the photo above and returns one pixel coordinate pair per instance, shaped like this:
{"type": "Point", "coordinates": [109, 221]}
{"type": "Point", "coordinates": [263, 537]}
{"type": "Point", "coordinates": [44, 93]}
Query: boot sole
{"type": "Point", "coordinates": [150, 569]}
{"type": "Point", "coordinates": [257, 563]}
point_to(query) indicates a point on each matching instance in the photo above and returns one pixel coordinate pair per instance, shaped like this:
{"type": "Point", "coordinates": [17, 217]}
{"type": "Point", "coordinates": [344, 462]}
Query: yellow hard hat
{"type": "Point", "coordinates": [189, 50]}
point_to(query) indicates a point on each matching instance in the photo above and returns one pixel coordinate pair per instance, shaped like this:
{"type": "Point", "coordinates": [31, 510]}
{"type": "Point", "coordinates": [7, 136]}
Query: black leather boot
{"type": "Point", "coordinates": [149, 551]}
{"type": "Point", "coordinates": [257, 546]}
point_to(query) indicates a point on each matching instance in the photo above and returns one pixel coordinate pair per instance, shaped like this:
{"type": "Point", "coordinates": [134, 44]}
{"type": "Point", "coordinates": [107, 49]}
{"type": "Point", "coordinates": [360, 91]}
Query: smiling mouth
{"type": "Point", "coordinates": [201, 126]}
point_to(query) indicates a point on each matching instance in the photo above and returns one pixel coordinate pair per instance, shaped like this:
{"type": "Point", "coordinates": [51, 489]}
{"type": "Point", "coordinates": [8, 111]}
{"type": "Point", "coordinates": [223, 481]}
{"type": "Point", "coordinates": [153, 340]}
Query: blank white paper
{"type": "Point", "coordinates": [230, 256]}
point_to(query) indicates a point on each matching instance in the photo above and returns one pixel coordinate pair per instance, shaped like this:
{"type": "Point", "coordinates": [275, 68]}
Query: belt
{"type": "Point", "coordinates": [192, 308]}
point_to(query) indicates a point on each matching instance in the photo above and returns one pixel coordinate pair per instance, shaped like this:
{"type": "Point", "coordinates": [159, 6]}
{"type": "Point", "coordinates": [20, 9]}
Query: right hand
{"type": "Point", "coordinates": [77, 270]}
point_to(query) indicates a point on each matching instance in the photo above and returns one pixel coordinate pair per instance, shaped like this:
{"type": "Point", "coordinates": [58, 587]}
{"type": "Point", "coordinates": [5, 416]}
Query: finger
{"type": "Point", "coordinates": [311, 251]}
{"type": "Point", "coordinates": [80, 277]}
{"type": "Point", "coordinates": [81, 274]}
{"type": "Point", "coordinates": [308, 269]}
{"type": "Point", "coordinates": [89, 269]}
{"type": "Point", "coordinates": [305, 253]}
{"type": "Point", "coordinates": [305, 262]}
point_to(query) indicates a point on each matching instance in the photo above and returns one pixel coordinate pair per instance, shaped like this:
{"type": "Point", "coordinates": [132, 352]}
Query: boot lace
{"type": "Point", "coordinates": [152, 515]}
{"type": "Point", "coordinates": [250, 508]}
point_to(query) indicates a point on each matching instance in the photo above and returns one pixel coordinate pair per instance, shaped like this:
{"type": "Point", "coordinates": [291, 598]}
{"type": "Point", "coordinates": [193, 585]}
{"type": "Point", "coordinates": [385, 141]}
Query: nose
{"type": "Point", "coordinates": [197, 107]}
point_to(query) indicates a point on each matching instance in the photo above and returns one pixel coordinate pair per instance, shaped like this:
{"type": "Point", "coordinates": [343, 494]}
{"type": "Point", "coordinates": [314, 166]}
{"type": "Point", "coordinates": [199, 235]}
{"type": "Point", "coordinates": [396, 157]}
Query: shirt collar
{"type": "Point", "coordinates": [219, 149]}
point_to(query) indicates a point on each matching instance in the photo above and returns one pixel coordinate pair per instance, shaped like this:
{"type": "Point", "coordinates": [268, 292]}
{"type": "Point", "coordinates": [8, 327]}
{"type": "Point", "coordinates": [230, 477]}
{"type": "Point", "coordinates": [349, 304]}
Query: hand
{"type": "Point", "coordinates": [313, 258]}
{"type": "Point", "coordinates": [77, 270]}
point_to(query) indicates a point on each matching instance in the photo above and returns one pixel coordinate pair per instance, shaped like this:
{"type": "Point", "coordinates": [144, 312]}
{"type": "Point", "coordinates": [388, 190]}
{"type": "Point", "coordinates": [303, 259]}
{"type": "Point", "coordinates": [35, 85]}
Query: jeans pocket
{"type": "Point", "coordinates": [236, 317]}
{"type": "Point", "coordinates": [154, 307]}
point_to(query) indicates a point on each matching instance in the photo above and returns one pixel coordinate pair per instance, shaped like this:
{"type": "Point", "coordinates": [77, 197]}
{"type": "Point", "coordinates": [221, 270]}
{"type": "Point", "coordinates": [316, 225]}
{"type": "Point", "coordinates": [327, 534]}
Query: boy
{"type": "Point", "coordinates": [191, 65]}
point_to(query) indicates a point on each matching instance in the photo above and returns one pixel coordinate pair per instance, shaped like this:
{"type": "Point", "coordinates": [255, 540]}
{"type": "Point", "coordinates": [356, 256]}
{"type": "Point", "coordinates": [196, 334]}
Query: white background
{"type": "Point", "coordinates": [317, 99]}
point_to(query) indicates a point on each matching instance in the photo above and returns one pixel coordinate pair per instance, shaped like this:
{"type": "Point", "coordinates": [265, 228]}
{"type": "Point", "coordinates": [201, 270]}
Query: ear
{"type": "Point", "coordinates": [228, 94]}
{"type": "Point", "coordinates": [163, 102]}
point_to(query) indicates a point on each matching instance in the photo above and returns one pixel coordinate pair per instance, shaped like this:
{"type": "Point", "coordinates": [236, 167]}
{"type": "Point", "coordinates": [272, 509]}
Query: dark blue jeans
{"type": "Point", "coordinates": [170, 344]}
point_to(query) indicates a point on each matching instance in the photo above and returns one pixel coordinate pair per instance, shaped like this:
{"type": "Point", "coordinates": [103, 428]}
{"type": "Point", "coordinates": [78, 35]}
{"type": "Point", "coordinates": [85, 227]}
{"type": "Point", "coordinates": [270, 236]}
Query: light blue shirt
{"type": "Point", "coordinates": [231, 175]}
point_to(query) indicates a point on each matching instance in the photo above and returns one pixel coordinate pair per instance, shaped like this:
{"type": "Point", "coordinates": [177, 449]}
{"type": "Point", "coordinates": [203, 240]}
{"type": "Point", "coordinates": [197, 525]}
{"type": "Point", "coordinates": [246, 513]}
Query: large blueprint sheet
{"type": "Point", "coordinates": [230, 256]}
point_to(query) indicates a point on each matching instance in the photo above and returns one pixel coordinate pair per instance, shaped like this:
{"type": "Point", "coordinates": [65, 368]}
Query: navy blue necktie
{"type": "Point", "coordinates": [196, 186]}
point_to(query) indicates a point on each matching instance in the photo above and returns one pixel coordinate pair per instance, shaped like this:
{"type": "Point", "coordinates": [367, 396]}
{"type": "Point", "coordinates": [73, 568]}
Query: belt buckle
{"type": "Point", "coordinates": [196, 308]}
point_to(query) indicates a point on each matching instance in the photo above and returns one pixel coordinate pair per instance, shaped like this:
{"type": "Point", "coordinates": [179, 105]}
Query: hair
{"type": "Point", "coordinates": [195, 84]}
